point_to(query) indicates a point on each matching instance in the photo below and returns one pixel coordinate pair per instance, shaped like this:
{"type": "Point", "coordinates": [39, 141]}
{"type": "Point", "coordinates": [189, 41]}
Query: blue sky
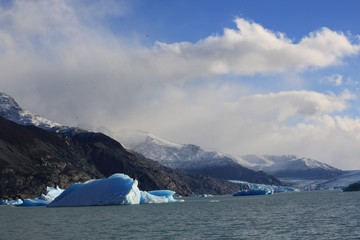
{"type": "Point", "coordinates": [171, 21]}
{"type": "Point", "coordinates": [243, 77]}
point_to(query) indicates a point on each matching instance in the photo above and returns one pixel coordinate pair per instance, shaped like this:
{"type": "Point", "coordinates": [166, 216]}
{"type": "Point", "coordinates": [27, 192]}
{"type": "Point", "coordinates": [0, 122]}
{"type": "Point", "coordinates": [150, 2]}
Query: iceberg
{"type": "Point", "coordinates": [252, 192]}
{"type": "Point", "coordinates": [118, 189]}
{"type": "Point", "coordinates": [157, 196]}
{"type": "Point", "coordinates": [42, 200]}
{"type": "Point", "coordinates": [13, 202]}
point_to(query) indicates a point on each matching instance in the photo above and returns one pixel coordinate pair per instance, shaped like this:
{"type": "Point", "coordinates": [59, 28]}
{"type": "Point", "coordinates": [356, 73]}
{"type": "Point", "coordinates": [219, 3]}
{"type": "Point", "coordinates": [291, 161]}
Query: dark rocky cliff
{"type": "Point", "coordinates": [32, 158]}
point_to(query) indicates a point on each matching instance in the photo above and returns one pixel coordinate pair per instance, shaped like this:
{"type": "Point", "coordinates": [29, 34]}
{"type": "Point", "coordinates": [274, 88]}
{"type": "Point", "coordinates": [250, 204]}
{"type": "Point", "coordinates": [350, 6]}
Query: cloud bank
{"type": "Point", "coordinates": [253, 49]}
{"type": "Point", "coordinates": [60, 60]}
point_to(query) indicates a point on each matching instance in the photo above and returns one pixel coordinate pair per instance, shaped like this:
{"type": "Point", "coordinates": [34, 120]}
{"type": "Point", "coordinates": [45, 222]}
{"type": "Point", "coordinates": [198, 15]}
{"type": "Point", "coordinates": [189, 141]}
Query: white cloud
{"type": "Point", "coordinates": [58, 64]}
{"type": "Point", "coordinates": [253, 49]}
{"type": "Point", "coordinates": [296, 122]}
{"type": "Point", "coordinates": [284, 105]}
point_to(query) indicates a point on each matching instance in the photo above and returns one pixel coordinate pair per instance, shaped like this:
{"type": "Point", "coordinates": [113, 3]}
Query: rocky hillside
{"type": "Point", "coordinates": [32, 158]}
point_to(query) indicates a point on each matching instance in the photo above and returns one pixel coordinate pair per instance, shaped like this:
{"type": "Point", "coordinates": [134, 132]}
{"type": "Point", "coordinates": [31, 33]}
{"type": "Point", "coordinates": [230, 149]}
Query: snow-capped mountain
{"type": "Point", "coordinates": [289, 166]}
{"type": "Point", "coordinates": [173, 155]}
{"type": "Point", "coordinates": [185, 156]}
{"type": "Point", "coordinates": [10, 110]}
{"type": "Point", "coordinates": [31, 158]}
{"type": "Point", "coordinates": [190, 158]}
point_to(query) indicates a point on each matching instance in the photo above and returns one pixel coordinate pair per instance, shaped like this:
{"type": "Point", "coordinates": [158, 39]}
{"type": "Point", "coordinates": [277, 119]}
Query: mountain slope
{"type": "Point", "coordinates": [9, 109]}
{"type": "Point", "coordinates": [35, 152]}
{"type": "Point", "coordinates": [347, 178]}
{"type": "Point", "coordinates": [191, 158]}
{"type": "Point", "coordinates": [31, 158]}
{"type": "Point", "coordinates": [289, 166]}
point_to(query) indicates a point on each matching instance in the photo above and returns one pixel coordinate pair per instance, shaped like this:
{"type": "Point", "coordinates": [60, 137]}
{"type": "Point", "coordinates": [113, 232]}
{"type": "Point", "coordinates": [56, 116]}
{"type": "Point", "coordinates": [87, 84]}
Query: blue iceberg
{"type": "Point", "coordinates": [118, 189]}
{"type": "Point", "coordinates": [252, 192]}
{"type": "Point", "coordinates": [157, 196]}
{"type": "Point", "coordinates": [42, 200]}
{"type": "Point", "coordinates": [12, 202]}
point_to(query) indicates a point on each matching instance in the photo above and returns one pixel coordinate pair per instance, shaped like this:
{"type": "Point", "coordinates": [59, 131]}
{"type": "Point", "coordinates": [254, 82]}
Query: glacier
{"type": "Point", "coordinates": [263, 189]}
{"type": "Point", "coordinates": [254, 189]}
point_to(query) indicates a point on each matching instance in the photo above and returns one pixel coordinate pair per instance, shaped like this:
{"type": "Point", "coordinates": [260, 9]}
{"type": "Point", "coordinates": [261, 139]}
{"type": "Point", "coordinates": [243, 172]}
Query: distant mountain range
{"type": "Point", "coordinates": [36, 152]}
{"type": "Point", "coordinates": [191, 158]}
{"type": "Point", "coordinates": [194, 158]}
{"type": "Point", "coordinates": [289, 166]}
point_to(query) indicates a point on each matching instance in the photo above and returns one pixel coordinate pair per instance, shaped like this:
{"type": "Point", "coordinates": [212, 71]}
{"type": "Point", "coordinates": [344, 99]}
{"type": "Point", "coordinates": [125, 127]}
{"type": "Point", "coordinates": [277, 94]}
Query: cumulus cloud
{"type": "Point", "coordinates": [295, 122]}
{"type": "Point", "coordinates": [253, 49]}
{"type": "Point", "coordinates": [58, 61]}
{"type": "Point", "coordinates": [284, 105]}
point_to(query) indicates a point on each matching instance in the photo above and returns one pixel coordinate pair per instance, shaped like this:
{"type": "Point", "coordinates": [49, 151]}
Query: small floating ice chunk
{"type": "Point", "coordinates": [252, 192]}
{"type": "Point", "coordinates": [158, 196]}
{"type": "Point", "coordinates": [13, 202]}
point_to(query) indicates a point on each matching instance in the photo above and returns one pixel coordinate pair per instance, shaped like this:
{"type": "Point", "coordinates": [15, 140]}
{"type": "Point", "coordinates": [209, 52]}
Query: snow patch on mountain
{"type": "Point", "coordinates": [10, 110]}
{"type": "Point", "coordinates": [273, 163]}
{"type": "Point", "coordinates": [173, 155]}
{"type": "Point", "coordinates": [188, 156]}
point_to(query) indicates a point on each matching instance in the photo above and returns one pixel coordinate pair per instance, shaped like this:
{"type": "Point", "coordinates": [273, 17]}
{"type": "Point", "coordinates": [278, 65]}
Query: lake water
{"type": "Point", "coordinates": [304, 215]}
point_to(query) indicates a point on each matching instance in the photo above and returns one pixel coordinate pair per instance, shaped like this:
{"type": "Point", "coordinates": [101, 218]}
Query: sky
{"type": "Point", "coordinates": [241, 77]}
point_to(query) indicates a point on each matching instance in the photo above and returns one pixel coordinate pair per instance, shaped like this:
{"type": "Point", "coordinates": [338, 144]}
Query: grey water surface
{"type": "Point", "coordinates": [303, 215]}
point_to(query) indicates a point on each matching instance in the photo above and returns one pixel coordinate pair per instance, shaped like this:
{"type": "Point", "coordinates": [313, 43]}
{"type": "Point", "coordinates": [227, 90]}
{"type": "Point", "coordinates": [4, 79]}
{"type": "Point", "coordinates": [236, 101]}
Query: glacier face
{"type": "Point", "coordinates": [267, 189]}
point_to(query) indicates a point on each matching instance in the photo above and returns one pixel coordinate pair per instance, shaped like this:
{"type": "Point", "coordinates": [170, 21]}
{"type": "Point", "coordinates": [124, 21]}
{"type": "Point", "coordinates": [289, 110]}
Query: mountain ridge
{"type": "Point", "coordinates": [36, 152]}
{"type": "Point", "coordinates": [11, 110]}
{"type": "Point", "coordinates": [190, 157]}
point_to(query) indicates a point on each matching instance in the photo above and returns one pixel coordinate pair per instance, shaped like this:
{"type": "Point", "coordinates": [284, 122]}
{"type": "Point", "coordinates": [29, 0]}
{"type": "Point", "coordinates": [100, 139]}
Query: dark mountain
{"type": "Point", "coordinates": [352, 187]}
{"type": "Point", "coordinates": [236, 172]}
{"type": "Point", "coordinates": [32, 158]}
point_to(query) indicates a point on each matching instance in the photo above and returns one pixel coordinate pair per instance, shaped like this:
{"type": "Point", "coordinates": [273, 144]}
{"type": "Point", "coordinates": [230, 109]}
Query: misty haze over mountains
{"type": "Point", "coordinates": [188, 156]}
{"type": "Point", "coordinates": [193, 159]}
